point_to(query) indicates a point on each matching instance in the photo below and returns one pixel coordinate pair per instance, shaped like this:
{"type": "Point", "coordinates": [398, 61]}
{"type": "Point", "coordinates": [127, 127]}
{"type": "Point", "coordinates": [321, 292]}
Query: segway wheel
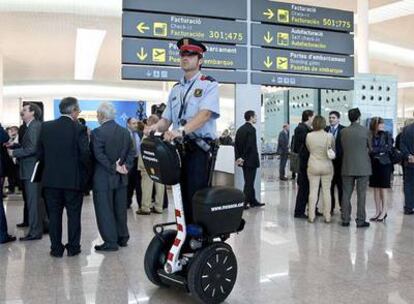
{"type": "Point", "coordinates": [156, 255]}
{"type": "Point", "coordinates": [212, 273]}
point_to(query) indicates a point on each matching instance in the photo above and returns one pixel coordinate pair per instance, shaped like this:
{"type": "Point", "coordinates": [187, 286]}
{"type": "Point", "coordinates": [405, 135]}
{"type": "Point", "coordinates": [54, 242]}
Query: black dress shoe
{"type": "Point", "coordinates": [408, 212]}
{"type": "Point", "coordinates": [363, 225]}
{"type": "Point", "coordinates": [122, 244]}
{"type": "Point", "coordinates": [56, 254]}
{"type": "Point", "coordinates": [8, 239]}
{"type": "Point", "coordinates": [317, 213]}
{"type": "Point", "coordinates": [105, 247]}
{"type": "Point", "coordinates": [30, 238]}
{"type": "Point", "coordinates": [72, 253]}
{"type": "Point", "coordinates": [256, 205]}
{"type": "Point", "coordinates": [344, 224]}
{"type": "Point", "coordinates": [302, 216]}
{"type": "Point", "coordinates": [22, 225]}
{"type": "Point", "coordinates": [283, 178]}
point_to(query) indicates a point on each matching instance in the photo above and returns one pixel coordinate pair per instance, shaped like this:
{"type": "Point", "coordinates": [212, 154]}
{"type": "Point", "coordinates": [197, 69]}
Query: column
{"type": "Point", "coordinates": [248, 97]}
{"type": "Point", "coordinates": [362, 36]}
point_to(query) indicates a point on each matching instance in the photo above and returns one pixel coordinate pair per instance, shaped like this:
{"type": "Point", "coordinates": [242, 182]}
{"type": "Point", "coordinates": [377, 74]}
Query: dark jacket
{"type": "Point", "coordinates": [111, 142]}
{"type": "Point", "coordinates": [27, 153]}
{"type": "Point", "coordinates": [299, 145]}
{"type": "Point", "coordinates": [381, 146]}
{"type": "Point", "coordinates": [65, 155]}
{"type": "Point", "coordinates": [338, 146]}
{"type": "Point", "coordinates": [356, 145]}
{"type": "Point", "coordinates": [407, 143]}
{"type": "Point", "coordinates": [283, 142]}
{"type": "Point", "coordinates": [4, 137]}
{"type": "Point", "coordinates": [245, 146]}
{"type": "Point", "coordinates": [226, 141]}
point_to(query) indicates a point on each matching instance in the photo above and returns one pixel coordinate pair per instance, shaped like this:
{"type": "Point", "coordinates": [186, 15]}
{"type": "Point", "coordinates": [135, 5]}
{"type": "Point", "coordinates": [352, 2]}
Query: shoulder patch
{"type": "Point", "coordinates": [208, 78]}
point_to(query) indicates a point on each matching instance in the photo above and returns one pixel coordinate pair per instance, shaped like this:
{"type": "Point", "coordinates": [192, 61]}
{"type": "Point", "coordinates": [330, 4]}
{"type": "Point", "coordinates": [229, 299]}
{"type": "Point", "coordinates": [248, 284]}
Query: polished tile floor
{"type": "Point", "coordinates": [281, 260]}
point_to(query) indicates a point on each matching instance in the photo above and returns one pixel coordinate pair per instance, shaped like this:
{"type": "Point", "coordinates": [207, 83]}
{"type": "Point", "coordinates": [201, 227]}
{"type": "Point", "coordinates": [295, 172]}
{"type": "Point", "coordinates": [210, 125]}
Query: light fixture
{"type": "Point", "coordinates": [88, 44]}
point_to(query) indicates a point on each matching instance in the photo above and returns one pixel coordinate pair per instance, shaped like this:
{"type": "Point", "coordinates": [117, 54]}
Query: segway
{"type": "Point", "coordinates": [194, 256]}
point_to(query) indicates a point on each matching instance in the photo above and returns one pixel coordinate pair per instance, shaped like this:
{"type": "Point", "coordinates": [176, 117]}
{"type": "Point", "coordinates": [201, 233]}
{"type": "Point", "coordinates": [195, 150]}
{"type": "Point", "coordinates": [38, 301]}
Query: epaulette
{"type": "Point", "coordinates": [209, 78]}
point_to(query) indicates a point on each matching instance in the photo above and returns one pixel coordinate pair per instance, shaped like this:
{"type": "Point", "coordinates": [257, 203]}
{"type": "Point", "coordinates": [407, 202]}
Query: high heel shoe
{"type": "Point", "coordinates": [375, 218]}
{"type": "Point", "coordinates": [382, 219]}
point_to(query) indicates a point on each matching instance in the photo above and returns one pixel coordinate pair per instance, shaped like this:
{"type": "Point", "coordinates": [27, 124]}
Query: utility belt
{"type": "Point", "coordinates": [193, 143]}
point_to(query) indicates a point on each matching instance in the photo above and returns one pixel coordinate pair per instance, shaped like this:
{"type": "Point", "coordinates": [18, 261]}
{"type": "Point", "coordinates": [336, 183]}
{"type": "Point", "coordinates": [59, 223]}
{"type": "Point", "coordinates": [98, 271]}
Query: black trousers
{"type": "Point", "coordinates": [336, 182]}
{"type": "Point", "coordinates": [111, 215]}
{"type": "Point", "coordinates": [25, 209]}
{"type": "Point", "coordinates": [57, 200]}
{"type": "Point", "coordinates": [249, 175]}
{"type": "Point", "coordinates": [134, 184]}
{"type": "Point", "coordinates": [195, 165]}
{"type": "Point", "coordinates": [282, 166]}
{"type": "Point", "coordinates": [303, 193]}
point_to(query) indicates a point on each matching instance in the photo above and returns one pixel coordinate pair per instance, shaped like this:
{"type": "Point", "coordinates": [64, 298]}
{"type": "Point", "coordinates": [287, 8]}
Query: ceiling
{"type": "Point", "coordinates": [38, 37]}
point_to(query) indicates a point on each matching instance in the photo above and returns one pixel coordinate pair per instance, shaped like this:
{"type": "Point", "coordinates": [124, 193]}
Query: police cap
{"type": "Point", "coordinates": [190, 45]}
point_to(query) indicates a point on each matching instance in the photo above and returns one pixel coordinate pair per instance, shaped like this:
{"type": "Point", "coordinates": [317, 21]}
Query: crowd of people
{"type": "Point", "coordinates": [336, 158]}
{"type": "Point", "coordinates": [106, 160]}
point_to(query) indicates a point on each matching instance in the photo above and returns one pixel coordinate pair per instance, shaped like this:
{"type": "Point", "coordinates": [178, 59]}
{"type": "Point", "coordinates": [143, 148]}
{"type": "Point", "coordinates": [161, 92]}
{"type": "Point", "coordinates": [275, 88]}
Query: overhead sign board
{"type": "Point", "coordinates": [228, 9]}
{"type": "Point", "coordinates": [302, 15]}
{"type": "Point", "coordinates": [286, 61]}
{"type": "Point", "coordinates": [287, 37]}
{"type": "Point", "coordinates": [160, 26]}
{"type": "Point", "coordinates": [163, 52]}
{"type": "Point", "coordinates": [138, 72]}
{"type": "Point", "coordinates": [301, 81]}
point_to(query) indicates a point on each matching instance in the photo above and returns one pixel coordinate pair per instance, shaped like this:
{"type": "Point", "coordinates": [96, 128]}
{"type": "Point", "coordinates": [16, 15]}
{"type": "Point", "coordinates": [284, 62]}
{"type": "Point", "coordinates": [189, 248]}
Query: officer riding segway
{"type": "Point", "coordinates": [195, 256]}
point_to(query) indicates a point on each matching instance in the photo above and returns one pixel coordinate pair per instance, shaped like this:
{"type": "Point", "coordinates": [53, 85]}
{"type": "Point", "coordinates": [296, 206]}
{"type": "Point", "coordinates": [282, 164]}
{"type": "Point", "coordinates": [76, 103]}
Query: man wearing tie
{"type": "Point", "coordinates": [134, 175]}
{"type": "Point", "coordinates": [283, 151]}
{"type": "Point", "coordinates": [335, 129]}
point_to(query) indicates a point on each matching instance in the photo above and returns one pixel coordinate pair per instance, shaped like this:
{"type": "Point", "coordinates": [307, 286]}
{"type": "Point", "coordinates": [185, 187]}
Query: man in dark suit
{"type": "Point", "coordinates": [134, 175]}
{"type": "Point", "coordinates": [247, 157]}
{"type": "Point", "coordinates": [65, 155]}
{"type": "Point", "coordinates": [406, 145]}
{"type": "Point", "coordinates": [4, 236]}
{"type": "Point", "coordinates": [299, 147]}
{"type": "Point", "coordinates": [283, 151]}
{"type": "Point", "coordinates": [114, 154]}
{"type": "Point", "coordinates": [27, 157]}
{"type": "Point", "coordinates": [356, 168]}
{"type": "Point", "coordinates": [335, 129]}
{"type": "Point", "coordinates": [25, 223]}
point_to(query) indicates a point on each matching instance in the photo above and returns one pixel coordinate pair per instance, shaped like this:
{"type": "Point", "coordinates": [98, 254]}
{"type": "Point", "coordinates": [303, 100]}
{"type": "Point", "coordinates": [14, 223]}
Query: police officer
{"type": "Point", "coordinates": [192, 109]}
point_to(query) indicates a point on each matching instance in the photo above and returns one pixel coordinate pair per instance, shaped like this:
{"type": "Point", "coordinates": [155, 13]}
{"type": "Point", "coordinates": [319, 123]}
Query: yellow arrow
{"type": "Point", "coordinates": [142, 55]}
{"type": "Point", "coordinates": [269, 13]}
{"type": "Point", "coordinates": [142, 27]}
{"type": "Point", "coordinates": [268, 63]}
{"type": "Point", "coordinates": [268, 38]}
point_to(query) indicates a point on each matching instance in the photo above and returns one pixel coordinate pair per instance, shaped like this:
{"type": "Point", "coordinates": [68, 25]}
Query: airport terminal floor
{"type": "Point", "coordinates": [280, 259]}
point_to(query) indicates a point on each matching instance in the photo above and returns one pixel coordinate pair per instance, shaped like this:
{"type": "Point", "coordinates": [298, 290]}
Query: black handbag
{"type": "Point", "coordinates": [396, 156]}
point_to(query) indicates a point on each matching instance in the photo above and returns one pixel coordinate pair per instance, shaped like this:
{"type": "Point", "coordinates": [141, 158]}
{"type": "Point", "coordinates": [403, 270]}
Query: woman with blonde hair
{"type": "Point", "coordinates": [321, 146]}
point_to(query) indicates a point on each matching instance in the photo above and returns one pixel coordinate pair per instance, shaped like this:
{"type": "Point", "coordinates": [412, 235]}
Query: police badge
{"type": "Point", "coordinates": [198, 92]}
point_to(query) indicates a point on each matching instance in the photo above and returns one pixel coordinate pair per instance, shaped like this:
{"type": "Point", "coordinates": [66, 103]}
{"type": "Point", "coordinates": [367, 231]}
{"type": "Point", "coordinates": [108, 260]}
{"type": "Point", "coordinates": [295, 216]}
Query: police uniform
{"type": "Point", "coordinates": [187, 98]}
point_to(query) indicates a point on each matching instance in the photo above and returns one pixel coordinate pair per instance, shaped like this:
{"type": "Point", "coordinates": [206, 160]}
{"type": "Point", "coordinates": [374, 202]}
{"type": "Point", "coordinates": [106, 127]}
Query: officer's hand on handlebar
{"type": "Point", "coordinates": [171, 135]}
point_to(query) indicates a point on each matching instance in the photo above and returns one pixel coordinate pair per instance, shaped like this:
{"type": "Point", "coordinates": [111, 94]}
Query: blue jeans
{"type": "Point", "coordinates": [409, 188]}
{"type": "Point", "coordinates": [3, 221]}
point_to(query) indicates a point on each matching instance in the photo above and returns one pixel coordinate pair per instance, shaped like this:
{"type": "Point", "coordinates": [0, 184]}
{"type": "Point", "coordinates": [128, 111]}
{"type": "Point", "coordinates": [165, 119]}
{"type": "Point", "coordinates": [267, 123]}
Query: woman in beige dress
{"type": "Point", "coordinates": [320, 168]}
